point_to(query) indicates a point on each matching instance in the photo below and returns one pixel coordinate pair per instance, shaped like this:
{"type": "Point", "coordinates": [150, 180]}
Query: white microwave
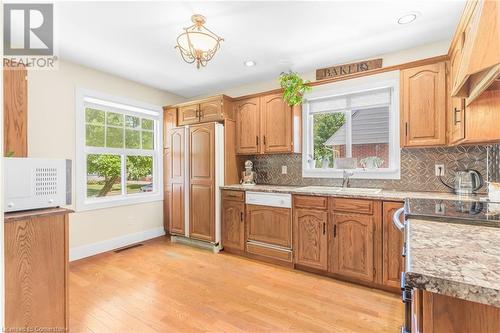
{"type": "Point", "coordinates": [33, 183]}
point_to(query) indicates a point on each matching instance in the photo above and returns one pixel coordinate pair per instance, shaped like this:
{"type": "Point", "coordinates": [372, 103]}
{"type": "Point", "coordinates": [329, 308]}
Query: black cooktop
{"type": "Point", "coordinates": [455, 211]}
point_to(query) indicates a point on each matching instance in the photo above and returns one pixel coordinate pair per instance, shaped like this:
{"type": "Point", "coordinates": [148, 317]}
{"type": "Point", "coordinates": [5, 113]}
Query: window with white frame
{"type": "Point", "coordinates": [353, 125]}
{"type": "Point", "coordinates": [118, 151]}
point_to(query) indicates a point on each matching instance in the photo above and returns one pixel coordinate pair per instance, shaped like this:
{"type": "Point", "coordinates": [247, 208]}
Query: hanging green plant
{"type": "Point", "coordinates": [294, 87]}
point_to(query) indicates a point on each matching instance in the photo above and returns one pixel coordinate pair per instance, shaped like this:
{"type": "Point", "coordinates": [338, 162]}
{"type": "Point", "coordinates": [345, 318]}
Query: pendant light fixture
{"type": "Point", "coordinates": [197, 43]}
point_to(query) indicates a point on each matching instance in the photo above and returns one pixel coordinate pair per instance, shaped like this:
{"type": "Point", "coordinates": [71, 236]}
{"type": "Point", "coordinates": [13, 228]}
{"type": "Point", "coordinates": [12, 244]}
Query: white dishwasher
{"type": "Point", "coordinates": [269, 225]}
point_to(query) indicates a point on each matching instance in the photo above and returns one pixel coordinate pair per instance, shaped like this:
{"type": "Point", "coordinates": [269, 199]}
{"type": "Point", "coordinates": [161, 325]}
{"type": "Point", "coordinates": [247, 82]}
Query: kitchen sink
{"type": "Point", "coordinates": [340, 190]}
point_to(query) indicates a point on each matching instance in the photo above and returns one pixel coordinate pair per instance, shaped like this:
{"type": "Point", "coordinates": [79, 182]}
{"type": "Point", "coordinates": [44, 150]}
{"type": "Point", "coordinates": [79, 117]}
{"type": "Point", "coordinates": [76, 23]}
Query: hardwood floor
{"type": "Point", "coordinates": [168, 287]}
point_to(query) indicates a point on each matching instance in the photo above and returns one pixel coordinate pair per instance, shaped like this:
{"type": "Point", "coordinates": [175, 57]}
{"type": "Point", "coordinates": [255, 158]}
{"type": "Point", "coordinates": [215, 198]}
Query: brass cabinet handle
{"type": "Point", "coordinates": [257, 140]}
{"type": "Point", "coordinates": [264, 140]}
{"type": "Point", "coordinates": [455, 119]}
{"type": "Point", "coordinates": [241, 216]}
{"type": "Point", "coordinates": [334, 230]}
{"type": "Point", "coordinates": [324, 228]}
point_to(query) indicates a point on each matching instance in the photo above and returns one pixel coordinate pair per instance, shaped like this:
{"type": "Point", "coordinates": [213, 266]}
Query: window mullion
{"type": "Point", "coordinates": [124, 174]}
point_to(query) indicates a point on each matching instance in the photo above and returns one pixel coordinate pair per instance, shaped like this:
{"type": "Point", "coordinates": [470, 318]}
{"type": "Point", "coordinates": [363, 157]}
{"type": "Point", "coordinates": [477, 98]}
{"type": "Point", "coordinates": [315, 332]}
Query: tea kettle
{"type": "Point", "coordinates": [465, 182]}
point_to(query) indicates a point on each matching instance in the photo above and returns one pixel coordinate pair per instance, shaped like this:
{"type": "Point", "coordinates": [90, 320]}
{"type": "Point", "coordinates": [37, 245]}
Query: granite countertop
{"type": "Point", "coordinates": [324, 190]}
{"type": "Point", "coordinates": [457, 260]}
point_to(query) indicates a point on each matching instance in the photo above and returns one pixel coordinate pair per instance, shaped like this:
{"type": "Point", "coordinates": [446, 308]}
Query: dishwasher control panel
{"type": "Point", "coordinates": [283, 200]}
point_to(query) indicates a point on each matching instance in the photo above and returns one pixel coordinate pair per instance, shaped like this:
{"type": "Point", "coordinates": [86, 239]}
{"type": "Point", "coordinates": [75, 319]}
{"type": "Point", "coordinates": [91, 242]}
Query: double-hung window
{"type": "Point", "coordinates": [118, 151]}
{"type": "Point", "coordinates": [353, 125]}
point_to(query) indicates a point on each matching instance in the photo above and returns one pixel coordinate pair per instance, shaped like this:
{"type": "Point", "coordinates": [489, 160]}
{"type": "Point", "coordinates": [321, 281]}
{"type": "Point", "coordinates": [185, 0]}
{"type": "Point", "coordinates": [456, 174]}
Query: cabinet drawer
{"type": "Point", "coordinates": [308, 201]}
{"type": "Point", "coordinates": [352, 205]}
{"type": "Point", "coordinates": [270, 252]}
{"type": "Point", "coordinates": [233, 195]}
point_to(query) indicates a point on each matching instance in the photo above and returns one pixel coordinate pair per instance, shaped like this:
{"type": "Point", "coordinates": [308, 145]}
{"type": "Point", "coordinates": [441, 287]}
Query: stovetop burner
{"type": "Point", "coordinates": [470, 212]}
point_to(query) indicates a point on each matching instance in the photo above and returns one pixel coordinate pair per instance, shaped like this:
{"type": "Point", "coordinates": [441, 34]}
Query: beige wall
{"type": "Point", "coordinates": [51, 134]}
{"type": "Point", "coordinates": [396, 58]}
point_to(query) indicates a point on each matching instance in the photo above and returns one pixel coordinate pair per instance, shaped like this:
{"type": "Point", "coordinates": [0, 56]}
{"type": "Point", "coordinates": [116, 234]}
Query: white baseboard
{"type": "Point", "coordinates": [84, 251]}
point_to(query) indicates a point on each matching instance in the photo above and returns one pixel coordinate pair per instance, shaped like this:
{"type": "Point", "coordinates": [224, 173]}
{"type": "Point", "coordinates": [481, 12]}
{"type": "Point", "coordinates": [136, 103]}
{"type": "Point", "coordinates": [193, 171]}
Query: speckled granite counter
{"type": "Point", "coordinates": [382, 195]}
{"type": "Point", "coordinates": [457, 260]}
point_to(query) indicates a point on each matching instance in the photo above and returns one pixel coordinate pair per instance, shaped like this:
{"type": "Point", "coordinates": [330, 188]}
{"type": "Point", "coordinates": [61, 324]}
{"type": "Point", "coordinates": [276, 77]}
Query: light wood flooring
{"type": "Point", "coordinates": [168, 287]}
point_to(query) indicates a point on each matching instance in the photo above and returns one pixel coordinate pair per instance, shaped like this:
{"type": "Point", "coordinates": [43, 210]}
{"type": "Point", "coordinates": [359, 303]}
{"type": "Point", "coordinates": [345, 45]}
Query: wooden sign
{"type": "Point", "coordinates": [341, 70]}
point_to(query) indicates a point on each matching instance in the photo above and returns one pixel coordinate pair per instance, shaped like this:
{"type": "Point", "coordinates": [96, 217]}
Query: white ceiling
{"type": "Point", "coordinates": [136, 40]}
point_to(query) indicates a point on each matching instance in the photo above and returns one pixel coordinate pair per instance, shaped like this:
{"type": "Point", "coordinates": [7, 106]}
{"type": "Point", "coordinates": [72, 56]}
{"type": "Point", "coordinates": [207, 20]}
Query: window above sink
{"type": "Point", "coordinates": [356, 119]}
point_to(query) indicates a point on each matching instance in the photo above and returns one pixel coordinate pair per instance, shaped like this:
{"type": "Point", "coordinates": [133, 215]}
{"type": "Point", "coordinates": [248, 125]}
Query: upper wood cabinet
{"type": "Point", "coordinates": [247, 126]}
{"type": "Point", "coordinates": [15, 103]}
{"type": "Point", "coordinates": [215, 108]}
{"type": "Point", "coordinates": [310, 234]}
{"type": "Point", "coordinates": [392, 247]}
{"type": "Point", "coordinates": [276, 124]}
{"type": "Point", "coordinates": [267, 125]}
{"type": "Point", "coordinates": [423, 103]}
{"type": "Point", "coordinates": [479, 36]}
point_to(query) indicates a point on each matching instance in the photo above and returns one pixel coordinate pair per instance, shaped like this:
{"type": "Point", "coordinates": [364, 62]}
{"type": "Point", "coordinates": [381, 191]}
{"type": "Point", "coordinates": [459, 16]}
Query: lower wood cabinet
{"type": "Point", "coordinates": [310, 234]}
{"type": "Point", "coordinates": [352, 243]}
{"type": "Point", "coordinates": [354, 239]}
{"type": "Point", "coordinates": [36, 270]}
{"type": "Point", "coordinates": [393, 240]}
{"type": "Point", "coordinates": [270, 225]}
{"type": "Point", "coordinates": [436, 313]}
{"type": "Point", "coordinates": [233, 225]}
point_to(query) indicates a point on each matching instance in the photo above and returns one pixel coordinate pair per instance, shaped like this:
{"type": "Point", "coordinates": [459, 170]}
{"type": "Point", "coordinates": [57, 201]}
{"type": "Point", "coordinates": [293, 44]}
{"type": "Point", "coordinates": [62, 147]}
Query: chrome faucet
{"type": "Point", "coordinates": [345, 180]}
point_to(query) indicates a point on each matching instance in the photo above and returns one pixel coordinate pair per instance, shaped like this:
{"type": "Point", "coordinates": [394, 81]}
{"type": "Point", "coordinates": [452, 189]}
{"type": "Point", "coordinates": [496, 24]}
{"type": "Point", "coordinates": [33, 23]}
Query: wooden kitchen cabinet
{"type": "Point", "coordinates": [355, 239]}
{"type": "Point", "coordinates": [189, 114]}
{"type": "Point", "coordinates": [202, 182]}
{"type": "Point", "coordinates": [267, 125]}
{"type": "Point", "coordinates": [36, 270]}
{"type": "Point", "coordinates": [176, 170]}
{"type": "Point", "coordinates": [270, 225]}
{"type": "Point", "coordinates": [310, 238]}
{"type": "Point", "coordinates": [479, 35]}
{"type": "Point", "coordinates": [247, 126]}
{"type": "Point", "coordinates": [233, 220]}
{"type": "Point", "coordinates": [393, 240]}
{"type": "Point", "coordinates": [15, 104]}
{"type": "Point", "coordinates": [456, 111]}
{"type": "Point", "coordinates": [215, 108]}
{"type": "Point", "coordinates": [444, 314]}
{"type": "Point", "coordinates": [169, 122]}
{"type": "Point", "coordinates": [423, 103]}
{"type": "Point", "coordinates": [276, 124]}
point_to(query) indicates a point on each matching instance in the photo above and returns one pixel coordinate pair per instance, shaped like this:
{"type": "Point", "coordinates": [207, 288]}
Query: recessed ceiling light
{"type": "Point", "coordinates": [408, 18]}
{"type": "Point", "coordinates": [249, 63]}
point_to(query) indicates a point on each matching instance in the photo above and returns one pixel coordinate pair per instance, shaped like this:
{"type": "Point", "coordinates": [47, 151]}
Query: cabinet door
{"type": "Point", "coordinates": [202, 182]}
{"type": "Point", "coordinates": [211, 111]}
{"type": "Point", "coordinates": [169, 122]}
{"type": "Point", "coordinates": [15, 103]}
{"type": "Point", "coordinates": [352, 247]}
{"type": "Point", "coordinates": [310, 239]}
{"type": "Point", "coordinates": [36, 273]}
{"type": "Point", "coordinates": [276, 124]}
{"type": "Point", "coordinates": [247, 126]}
{"type": "Point", "coordinates": [233, 225]}
{"type": "Point", "coordinates": [456, 113]}
{"type": "Point", "coordinates": [392, 247]}
{"type": "Point", "coordinates": [269, 225]}
{"type": "Point", "coordinates": [176, 181]}
{"type": "Point", "coordinates": [189, 114]}
{"type": "Point", "coordinates": [424, 105]}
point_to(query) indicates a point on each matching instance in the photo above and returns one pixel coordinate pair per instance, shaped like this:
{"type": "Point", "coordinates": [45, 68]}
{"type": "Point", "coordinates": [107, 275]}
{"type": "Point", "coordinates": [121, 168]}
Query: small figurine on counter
{"type": "Point", "coordinates": [248, 176]}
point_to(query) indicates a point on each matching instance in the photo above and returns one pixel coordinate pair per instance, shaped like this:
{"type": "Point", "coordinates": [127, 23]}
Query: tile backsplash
{"type": "Point", "coordinates": [417, 168]}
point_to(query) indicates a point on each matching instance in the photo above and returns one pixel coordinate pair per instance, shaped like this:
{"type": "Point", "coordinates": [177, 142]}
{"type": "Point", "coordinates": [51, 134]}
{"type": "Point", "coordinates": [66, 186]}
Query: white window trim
{"type": "Point", "coordinates": [378, 81]}
{"type": "Point", "coordinates": [133, 108]}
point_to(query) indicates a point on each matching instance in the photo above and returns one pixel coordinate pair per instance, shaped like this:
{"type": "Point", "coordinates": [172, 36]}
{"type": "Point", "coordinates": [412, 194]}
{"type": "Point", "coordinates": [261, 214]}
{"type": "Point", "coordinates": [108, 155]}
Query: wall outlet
{"type": "Point", "coordinates": [439, 169]}
{"type": "Point", "coordinates": [284, 169]}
